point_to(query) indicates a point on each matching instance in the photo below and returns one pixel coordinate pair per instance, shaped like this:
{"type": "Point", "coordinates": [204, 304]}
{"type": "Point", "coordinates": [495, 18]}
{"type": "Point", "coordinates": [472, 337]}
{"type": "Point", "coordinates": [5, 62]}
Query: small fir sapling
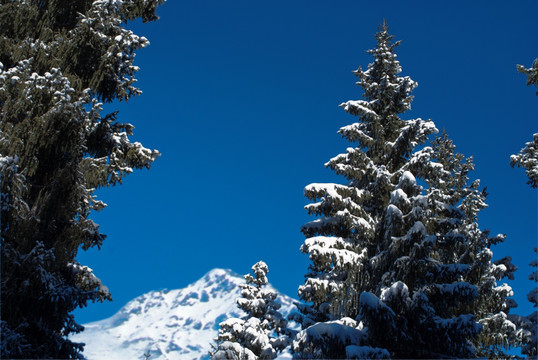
{"type": "Point", "coordinates": [262, 333]}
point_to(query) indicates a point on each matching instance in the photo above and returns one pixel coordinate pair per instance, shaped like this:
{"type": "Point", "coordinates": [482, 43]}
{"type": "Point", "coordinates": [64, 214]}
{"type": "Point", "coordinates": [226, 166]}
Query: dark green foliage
{"type": "Point", "coordinates": [58, 60]}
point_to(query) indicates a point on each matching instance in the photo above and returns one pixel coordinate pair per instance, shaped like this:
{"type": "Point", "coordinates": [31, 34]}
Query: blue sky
{"type": "Point", "coordinates": [241, 98]}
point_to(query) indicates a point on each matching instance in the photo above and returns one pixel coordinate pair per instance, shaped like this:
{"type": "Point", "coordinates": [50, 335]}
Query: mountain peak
{"type": "Point", "coordinates": [217, 272]}
{"type": "Point", "coordinates": [217, 276]}
{"type": "Point", "coordinates": [170, 324]}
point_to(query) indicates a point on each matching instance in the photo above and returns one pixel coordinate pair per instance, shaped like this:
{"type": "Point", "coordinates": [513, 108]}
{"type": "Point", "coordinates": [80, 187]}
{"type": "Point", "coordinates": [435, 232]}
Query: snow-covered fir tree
{"type": "Point", "coordinates": [262, 333]}
{"type": "Point", "coordinates": [528, 159]}
{"type": "Point", "coordinates": [385, 278]}
{"type": "Point", "coordinates": [528, 156]}
{"type": "Point", "coordinates": [453, 214]}
{"type": "Point", "coordinates": [532, 73]}
{"type": "Point", "coordinates": [528, 325]}
{"type": "Point", "coordinates": [58, 61]}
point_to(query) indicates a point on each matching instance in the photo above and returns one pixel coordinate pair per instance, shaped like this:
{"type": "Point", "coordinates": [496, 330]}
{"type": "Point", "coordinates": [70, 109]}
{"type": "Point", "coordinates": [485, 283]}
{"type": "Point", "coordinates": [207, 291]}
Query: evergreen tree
{"type": "Point", "coordinates": [385, 278]}
{"type": "Point", "coordinates": [58, 60]}
{"type": "Point", "coordinates": [454, 218]}
{"type": "Point", "coordinates": [263, 332]}
{"type": "Point", "coordinates": [532, 73]}
{"type": "Point", "coordinates": [528, 159]}
{"type": "Point", "coordinates": [528, 325]}
{"type": "Point", "coordinates": [528, 156]}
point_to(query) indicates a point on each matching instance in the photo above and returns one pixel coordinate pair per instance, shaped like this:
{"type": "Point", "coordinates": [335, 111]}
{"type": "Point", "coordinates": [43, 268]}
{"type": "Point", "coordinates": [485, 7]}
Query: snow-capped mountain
{"type": "Point", "coordinates": [170, 324]}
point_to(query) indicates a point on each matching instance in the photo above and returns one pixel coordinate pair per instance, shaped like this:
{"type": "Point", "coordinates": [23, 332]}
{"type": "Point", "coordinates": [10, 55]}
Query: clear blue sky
{"type": "Point", "coordinates": [241, 98]}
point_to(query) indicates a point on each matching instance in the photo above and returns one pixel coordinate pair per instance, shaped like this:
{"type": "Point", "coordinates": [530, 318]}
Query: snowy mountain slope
{"type": "Point", "coordinates": [174, 324]}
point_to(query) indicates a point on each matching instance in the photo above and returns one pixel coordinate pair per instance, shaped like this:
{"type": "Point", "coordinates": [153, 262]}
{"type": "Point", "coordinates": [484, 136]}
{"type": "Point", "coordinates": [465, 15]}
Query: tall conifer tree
{"type": "Point", "coordinates": [58, 60]}
{"type": "Point", "coordinates": [385, 279]}
{"type": "Point", "coordinates": [528, 159]}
